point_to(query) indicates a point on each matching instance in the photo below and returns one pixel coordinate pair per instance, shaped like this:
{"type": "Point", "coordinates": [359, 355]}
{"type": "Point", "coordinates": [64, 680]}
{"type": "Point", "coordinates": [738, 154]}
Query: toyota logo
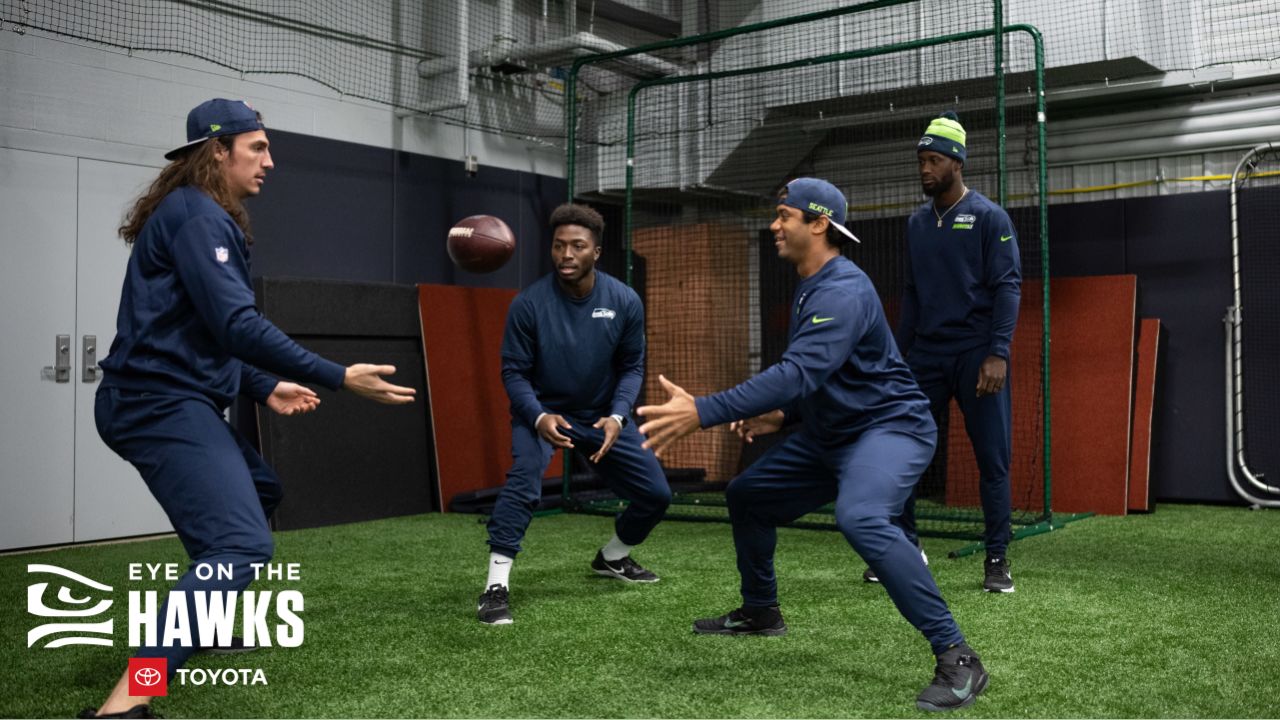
{"type": "Point", "coordinates": [147, 677]}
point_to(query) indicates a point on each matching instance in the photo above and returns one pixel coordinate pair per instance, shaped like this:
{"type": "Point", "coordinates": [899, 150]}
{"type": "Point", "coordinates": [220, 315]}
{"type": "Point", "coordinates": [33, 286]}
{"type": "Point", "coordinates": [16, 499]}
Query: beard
{"type": "Point", "coordinates": [940, 187]}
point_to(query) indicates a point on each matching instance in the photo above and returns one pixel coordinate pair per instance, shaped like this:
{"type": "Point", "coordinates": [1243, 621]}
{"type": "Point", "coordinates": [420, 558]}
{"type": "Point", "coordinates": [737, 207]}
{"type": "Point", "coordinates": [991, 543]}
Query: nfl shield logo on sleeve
{"type": "Point", "coordinates": [221, 254]}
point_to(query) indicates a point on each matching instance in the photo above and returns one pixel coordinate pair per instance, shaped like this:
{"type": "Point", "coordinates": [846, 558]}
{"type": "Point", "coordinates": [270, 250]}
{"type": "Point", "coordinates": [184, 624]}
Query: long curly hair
{"type": "Point", "coordinates": [198, 167]}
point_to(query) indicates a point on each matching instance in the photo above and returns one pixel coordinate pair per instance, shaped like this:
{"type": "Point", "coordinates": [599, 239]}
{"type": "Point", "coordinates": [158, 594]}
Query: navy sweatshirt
{"type": "Point", "coordinates": [964, 279]}
{"type": "Point", "coordinates": [841, 373]}
{"type": "Point", "coordinates": [187, 323]}
{"type": "Point", "coordinates": [578, 357]}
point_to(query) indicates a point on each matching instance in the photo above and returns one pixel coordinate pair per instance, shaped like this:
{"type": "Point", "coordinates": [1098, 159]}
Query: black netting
{"type": "Point", "coordinates": [405, 54]}
{"type": "Point", "coordinates": [708, 150]}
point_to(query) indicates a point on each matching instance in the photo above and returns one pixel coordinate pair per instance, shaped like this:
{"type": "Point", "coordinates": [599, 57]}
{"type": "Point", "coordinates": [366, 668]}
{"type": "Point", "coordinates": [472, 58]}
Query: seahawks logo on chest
{"type": "Point", "coordinates": [964, 222]}
{"type": "Point", "coordinates": [604, 313]}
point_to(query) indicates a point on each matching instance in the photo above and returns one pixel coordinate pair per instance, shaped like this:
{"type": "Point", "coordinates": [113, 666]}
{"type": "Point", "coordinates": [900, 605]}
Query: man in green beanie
{"type": "Point", "coordinates": [964, 281]}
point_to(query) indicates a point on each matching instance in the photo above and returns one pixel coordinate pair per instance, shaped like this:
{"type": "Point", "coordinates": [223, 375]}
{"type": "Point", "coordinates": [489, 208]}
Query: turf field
{"type": "Point", "coordinates": [1170, 614]}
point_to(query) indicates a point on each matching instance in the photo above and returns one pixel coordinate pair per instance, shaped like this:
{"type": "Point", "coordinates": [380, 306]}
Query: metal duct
{"type": "Point", "coordinates": [1148, 147]}
{"type": "Point", "coordinates": [1170, 112]}
{"type": "Point", "coordinates": [564, 48]}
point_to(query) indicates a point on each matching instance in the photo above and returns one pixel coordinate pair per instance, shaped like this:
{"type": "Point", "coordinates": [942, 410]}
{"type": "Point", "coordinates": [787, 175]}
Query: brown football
{"type": "Point", "coordinates": [480, 243]}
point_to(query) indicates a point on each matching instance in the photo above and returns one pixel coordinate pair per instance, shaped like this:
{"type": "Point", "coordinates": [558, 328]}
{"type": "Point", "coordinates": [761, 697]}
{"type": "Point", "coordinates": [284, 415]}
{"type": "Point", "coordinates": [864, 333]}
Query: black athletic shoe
{"type": "Point", "coordinates": [958, 679]}
{"type": "Point", "coordinates": [493, 608]}
{"type": "Point", "coordinates": [869, 575]}
{"type": "Point", "coordinates": [624, 569]}
{"type": "Point", "coordinates": [235, 647]}
{"type": "Point", "coordinates": [995, 575]}
{"type": "Point", "coordinates": [744, 621]}
{"type": "Point", "coordinates": [141, 710]}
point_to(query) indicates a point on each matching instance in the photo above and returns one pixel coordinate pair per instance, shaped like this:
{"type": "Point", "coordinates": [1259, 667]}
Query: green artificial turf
{"type": "Point", "coordinates": [1164, 615]}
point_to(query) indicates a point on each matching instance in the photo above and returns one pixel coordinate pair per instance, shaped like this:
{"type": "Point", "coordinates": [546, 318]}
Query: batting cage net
{"type": "Point", "coordinates": [694, 161]}
{"type": "Point", "coordinates": [1253, 390]}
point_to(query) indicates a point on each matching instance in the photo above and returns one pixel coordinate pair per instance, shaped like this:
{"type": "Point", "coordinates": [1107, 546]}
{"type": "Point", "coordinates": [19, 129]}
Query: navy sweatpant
{"type": "Point", "coordinates": [215, 488]}
{"type": "Point", "coordinates": [869, 480]}
{"type": "Point", "coordinates": [989, 422]}
{"type": "Point", "coordinates": [631, 471]}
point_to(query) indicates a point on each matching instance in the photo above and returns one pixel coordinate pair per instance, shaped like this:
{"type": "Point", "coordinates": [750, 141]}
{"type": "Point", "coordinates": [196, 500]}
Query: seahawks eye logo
{"type": "Point", "coordinates": [65, 608]}
{"type": "Point", "coordinates": [926, 140]}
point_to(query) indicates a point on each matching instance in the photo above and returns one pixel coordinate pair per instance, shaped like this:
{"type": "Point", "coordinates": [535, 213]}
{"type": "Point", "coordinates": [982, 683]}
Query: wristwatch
{"type": "Point", "coordinates": [622, 419]}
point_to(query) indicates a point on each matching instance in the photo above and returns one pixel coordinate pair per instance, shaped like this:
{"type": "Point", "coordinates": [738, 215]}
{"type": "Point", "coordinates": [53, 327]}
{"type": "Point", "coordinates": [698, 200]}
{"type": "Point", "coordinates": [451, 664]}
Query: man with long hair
{"type": "Point", "coordinates": [188, 340]}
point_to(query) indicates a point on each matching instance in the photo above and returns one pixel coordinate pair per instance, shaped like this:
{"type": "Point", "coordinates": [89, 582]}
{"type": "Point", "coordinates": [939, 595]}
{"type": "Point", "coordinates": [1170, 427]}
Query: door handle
{"type": "Point", "coordinates": [60, 372]}
{"type": "Point", "coordinates": [90, 373]}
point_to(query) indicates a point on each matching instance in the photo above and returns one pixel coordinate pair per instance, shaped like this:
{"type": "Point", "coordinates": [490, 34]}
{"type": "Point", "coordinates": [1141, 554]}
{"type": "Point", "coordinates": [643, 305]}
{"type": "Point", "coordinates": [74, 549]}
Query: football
{"type": "Point", "coordinates": [480, 243]}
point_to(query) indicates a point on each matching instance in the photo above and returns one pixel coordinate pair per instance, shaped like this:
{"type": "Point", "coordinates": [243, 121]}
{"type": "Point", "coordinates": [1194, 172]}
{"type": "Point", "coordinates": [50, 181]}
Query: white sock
{"type": "Point", "coordinates": [499, 570]}
{"type": "Point", "coordinates": [616, 550]}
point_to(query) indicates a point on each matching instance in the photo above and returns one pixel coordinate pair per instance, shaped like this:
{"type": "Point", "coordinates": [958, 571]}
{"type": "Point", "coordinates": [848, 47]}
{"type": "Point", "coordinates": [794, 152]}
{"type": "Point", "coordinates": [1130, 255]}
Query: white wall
{"type": "Point", "coordinates": [72, 98]}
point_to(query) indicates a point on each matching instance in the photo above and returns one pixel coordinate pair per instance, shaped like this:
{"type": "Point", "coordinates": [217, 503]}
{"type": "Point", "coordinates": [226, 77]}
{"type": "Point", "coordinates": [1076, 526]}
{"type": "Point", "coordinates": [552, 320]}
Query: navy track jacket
{"type": "Point", "coordinates": [841, 374]}
{"type": "Point", "coordinates": [187, 323]}
{"type": "Point", "coordinates": [964, 280]}
{"type": "Point", "coordinates": [579, 357]}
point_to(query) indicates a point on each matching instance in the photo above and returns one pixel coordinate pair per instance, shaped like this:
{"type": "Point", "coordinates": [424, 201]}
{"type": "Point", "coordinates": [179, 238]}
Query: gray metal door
{"type": "Point", "coordinates": [111, 500]}
{"type": "Point", "coordinates": [37, 304]}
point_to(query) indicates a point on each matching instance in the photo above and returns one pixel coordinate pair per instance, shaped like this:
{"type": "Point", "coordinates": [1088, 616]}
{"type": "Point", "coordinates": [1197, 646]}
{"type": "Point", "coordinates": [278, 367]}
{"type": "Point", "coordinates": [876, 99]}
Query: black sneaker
{"type": "Point", "coordinates": [235, 647]}
{"type": "Point", "coordinates": [995, 575]}
{"type": "Point", "coordinates": [744, 621]}
{"type": "Point", "coordinates": [869, 575]}
{"type": "Point", "coordinates": [958, 679]}
{"type": "Point", "coordinates": [624, 569]}
{"type": "Point", "coordinates": [141, 710]}
{"type": "Point", "coordinates": [493, 608]}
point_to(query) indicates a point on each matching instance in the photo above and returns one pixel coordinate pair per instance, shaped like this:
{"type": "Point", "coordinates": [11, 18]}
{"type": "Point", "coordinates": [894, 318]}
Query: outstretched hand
{"type": "Point", "coordinates": [612, 429]}
{"type": "Point", "coordinates": [666, 423]}
{"type": "Point", "coordinates": [366, 381]}
{"type": "Point", "coordinates": [292, 399]}
{"type": "Point", "coordinates": [753, 428]}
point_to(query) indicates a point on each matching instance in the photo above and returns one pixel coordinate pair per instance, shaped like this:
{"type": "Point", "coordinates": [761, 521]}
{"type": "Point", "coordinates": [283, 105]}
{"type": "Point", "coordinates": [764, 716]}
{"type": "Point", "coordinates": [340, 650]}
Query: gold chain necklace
{"type": "Point", "coordinates": [953, 207]}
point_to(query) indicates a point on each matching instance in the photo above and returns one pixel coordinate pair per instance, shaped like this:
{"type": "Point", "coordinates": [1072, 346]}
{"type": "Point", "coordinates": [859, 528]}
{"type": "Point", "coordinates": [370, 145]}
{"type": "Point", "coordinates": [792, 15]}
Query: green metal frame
{"type": "Point", "coordinates": [1047, 520]}
{"type": "Point", "coordinates": [571, 84]}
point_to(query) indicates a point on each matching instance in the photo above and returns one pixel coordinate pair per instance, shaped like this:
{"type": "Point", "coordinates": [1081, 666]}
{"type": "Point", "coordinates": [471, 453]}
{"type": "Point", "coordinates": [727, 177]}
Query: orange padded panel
{"type": "Point", "coordinates": [1144, 397]}
{"type": "Point", "coordinates": [1091, 366]}
{"type": "Point", "coordinates": [1091, 370]}
{"type": "Point", "coordinates": [470, 417]}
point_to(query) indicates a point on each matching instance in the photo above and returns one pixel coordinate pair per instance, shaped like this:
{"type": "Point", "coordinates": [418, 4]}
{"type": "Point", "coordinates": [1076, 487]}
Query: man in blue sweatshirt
{"type": "Point", "coordinates": [572, 363]}
{"type": "Point", "coordinates": [188, 340]}
{"type": "Point", "coordinates": [959, 310]}
{"type": "Point", "coordinates": [865, 437]}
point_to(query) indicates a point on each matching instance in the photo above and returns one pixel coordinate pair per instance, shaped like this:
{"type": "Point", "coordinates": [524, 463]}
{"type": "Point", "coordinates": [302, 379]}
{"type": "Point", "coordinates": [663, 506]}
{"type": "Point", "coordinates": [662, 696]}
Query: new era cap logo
{"type": "Point", "coordinates": [215, 128]}
{"type": "Point", "coordinates": [149, 676]}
